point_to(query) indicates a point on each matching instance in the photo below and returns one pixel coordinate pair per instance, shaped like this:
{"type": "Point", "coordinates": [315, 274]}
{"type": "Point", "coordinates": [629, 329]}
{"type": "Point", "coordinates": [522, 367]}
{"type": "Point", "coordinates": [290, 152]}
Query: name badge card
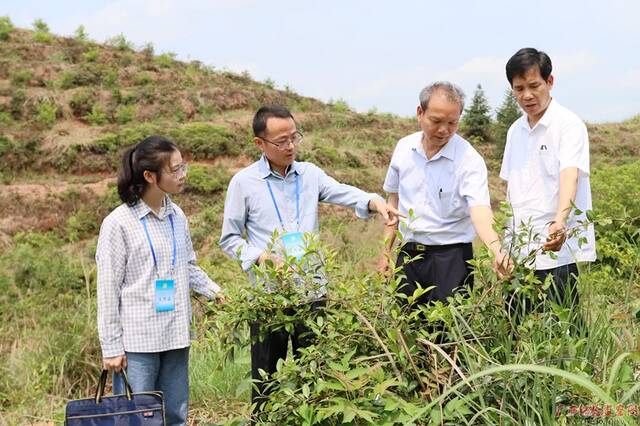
{"type": "Point", "coordinates": [165, 295]}
{"type": "Point", "coordinates": [293, 244]}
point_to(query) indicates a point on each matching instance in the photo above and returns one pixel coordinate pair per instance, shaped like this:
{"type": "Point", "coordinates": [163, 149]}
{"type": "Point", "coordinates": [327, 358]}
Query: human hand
{"type": "Point", "coordinates": [502, 264]}
{"type": "Point", "coordinates": [390, 214]}
{"type": "Point", "coordinates": [557, 236]}
{"type": "Point", "coordinates": [384, 267]}
{"type": "Point", "coordinates": [278, 262]}
{"type": "Point", "coordinates": [115, 363]}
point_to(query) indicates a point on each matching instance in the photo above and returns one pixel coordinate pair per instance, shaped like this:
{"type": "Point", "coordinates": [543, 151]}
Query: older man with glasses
{"type": "Point", "coordinates": [277, 193]}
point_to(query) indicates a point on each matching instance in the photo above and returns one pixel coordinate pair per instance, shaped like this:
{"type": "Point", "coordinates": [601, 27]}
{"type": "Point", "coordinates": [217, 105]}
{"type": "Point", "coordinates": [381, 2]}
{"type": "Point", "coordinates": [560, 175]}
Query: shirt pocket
{"type": "Point", "coordinates": [450, 204]}
{"type": "Point", "coordinates": [548, 162]}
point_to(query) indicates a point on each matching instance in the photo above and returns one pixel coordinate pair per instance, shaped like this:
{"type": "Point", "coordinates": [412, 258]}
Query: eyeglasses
{"type": "Point", "coordinates": [180, 170]}
{"type": "Point", "coordinates": [295, 139]}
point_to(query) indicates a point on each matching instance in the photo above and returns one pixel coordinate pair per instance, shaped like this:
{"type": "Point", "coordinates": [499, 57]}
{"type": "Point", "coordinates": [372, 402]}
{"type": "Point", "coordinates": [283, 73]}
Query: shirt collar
{"type": "Point", "coordinates": [141, 209]}
{"type": "Point", "coordinates": [265, 169]}
{"type": "Point", "coordinates": [448, 151]}
{"type": "Point", "coordinates": [546, 118]}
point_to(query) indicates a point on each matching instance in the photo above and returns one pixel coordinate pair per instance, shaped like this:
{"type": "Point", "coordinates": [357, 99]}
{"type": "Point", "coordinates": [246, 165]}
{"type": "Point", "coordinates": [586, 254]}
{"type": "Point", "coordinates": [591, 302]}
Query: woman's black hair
{"type": "Point", "coordinates": [150, 154]}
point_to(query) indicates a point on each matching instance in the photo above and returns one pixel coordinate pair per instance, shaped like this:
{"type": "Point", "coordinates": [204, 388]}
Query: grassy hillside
{"type": "Point", "coordinates": [68, 106]}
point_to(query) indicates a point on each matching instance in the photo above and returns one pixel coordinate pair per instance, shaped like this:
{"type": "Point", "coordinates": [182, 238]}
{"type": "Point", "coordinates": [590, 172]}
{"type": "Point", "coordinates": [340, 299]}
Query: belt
{"type": "Point", "coordinates": [421, 248]}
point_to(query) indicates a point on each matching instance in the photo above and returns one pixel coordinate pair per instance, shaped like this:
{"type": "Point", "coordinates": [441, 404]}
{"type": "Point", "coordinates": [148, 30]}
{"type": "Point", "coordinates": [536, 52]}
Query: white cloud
{"type": "Point", "coordinates": [573, 63]}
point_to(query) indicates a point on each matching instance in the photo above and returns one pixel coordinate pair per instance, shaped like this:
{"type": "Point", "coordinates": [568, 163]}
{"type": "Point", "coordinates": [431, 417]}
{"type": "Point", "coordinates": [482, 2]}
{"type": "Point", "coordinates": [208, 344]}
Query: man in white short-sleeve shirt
{"type": "Point", "coordinates": [442, 180]}
{"type": "Point", "coordinates": [546, 165]}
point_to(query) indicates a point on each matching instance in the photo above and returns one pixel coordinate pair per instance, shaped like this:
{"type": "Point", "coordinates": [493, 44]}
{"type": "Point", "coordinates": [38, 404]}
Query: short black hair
{"type": "Point", "coordinates": [525, 59]}
{"type": "Point", "coordinates": [266, 112]}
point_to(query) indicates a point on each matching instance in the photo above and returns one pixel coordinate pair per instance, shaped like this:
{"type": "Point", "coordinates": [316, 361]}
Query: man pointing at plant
{"type": "Point", "coordinates": [442, 179]}
{"type": "Point", "coordinates": [277, 193]}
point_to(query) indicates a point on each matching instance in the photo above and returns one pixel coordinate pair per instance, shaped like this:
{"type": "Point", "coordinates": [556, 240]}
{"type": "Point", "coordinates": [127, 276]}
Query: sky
{"type": "Point", "coordinates": [380, 54]}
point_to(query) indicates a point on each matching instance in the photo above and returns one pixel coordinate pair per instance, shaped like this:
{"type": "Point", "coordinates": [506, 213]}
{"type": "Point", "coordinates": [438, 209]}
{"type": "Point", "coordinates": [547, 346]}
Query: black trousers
{"type": "Point", "coordinates": [272, 346]}
{"type": "Point", "coordinates": [444, 267]}
{"type": "Point", "coordinates": [562, 291]}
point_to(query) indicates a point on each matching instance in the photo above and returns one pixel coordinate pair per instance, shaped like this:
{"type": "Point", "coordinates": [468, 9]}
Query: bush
{"type": "Point", "coordinates": [41, 33]}
{"type": "Point", "coordinates": [6, 27]}
{"type": "Point", "coordinates": [97, 116]}
{"type": "Point", "coordinates": [84, 75]}
{"type": "Point", "coordinates": [207, 180]}
{"type": "Point", "coordinates": [80, 34]}
{"type": "Point", "coordinates": [113, 142]}
{"type": "Point", "coordinates": [91, 55]}
{"type": "Point", "coordinates": [46, 112]}
{"type": "Point", "coordinates": [120, 42]}
{"type": "Point", "coordinates": [125, 114]}
{"type": "Point", "coordinates": [206, 140]}
{"type": "Point", "coordinates": [21, 77]}
{"type": "Point", "coordinates": [166, 60]}
{"type": "Point", "coordinates": [82, 101]}
{"type": "Point", "coordinates": [18, 99]}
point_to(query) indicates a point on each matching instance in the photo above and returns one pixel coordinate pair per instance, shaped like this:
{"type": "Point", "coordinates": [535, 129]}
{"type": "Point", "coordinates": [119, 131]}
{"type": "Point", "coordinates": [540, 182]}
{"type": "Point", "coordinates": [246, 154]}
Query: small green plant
{"type": "Point", "coordinates": [21, 77]}
{"type": "Point", "coordinates": [120, 42]}
{"type": "Point", "coordinates": [91, 55]}
{"type": "Point", "coordinates": [165, 60]}
{"type": "Point", "coordinates": [340, 106]}
{"type": "Point", "coordinates": [97, 116]}
{"type": "Point", "coordinates": [80, 34]}
{"type": "Point", "coordinates": [82, 101]}
{"type": "Point", "coordinates": [46, 112]}
{"type": "Point", "coordinates": [142, 79]}
{"type": "Point", "coordinates": [125, 114]}
{"type": "Point", "coordinates": [6, 27]}
{"type": "Point", "coordinates": [41, 34]}
{"type": "Point", "coordinates": [270, 83]}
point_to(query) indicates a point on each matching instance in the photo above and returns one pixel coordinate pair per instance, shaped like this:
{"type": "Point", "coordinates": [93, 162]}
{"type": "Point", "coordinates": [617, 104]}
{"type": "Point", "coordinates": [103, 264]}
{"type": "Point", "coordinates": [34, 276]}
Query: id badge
{"type": "Point", "coordinates": [165, 295]}
{"type": "Point", "coordinates": [293, 244]}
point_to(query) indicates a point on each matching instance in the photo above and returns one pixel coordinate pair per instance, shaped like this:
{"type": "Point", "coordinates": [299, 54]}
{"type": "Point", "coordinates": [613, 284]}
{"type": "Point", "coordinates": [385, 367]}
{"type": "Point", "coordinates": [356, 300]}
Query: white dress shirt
{"type": "Point", "coordinates": [439, 190]}
{"type": "Point", "coordinates": [532, 162]}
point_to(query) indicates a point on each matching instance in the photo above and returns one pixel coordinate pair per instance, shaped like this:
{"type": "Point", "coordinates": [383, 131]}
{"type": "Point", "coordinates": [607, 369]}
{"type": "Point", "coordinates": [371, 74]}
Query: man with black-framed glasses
{"type": "Point", "coordinates": [277, 193]}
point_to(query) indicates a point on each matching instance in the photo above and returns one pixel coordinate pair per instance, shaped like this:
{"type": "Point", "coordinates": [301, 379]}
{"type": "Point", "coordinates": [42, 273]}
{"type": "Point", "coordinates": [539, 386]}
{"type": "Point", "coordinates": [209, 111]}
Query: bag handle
{"type": "Point", "coordinates": [102, 382]}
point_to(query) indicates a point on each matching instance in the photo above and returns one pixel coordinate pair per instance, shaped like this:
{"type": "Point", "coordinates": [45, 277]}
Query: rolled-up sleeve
{"type": "Point", "coordinates": [334, 192]}
{"type": "Point", "coordinates": [111, 262]}
{"type": "Point", "coordinates": [234, 227]}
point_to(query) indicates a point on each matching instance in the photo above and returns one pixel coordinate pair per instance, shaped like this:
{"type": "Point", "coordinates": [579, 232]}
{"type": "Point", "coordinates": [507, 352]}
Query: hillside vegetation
{"type": "Point", "coordinates": [69, 105]}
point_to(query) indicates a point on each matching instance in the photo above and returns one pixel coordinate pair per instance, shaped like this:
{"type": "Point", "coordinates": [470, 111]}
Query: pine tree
{"type": "Point", "coordinates": [505, 116]}
{"type": "Point", "coordinates": [476, 122]}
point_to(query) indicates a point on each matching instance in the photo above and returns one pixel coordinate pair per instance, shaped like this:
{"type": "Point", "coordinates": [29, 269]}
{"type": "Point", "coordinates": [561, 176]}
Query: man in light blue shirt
{"type": "Point", "coordinates": [277, 193]}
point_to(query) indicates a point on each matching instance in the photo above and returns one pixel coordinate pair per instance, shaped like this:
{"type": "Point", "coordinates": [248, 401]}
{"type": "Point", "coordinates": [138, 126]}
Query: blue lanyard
{"type": "Point", "coordinates": [275, 204]}
{"type": "Point", "coordinates": [153, 252]}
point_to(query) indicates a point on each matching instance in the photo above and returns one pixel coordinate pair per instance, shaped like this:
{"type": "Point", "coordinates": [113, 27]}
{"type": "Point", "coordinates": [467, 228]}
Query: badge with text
{"type": "Point", "coordinates": [165, 295]}
{"type": "Point", "coordinates": [293, 244]}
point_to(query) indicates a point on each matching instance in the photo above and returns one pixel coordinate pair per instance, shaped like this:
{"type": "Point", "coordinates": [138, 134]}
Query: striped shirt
{"type": "Point", "coordinates": [127, 317]}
